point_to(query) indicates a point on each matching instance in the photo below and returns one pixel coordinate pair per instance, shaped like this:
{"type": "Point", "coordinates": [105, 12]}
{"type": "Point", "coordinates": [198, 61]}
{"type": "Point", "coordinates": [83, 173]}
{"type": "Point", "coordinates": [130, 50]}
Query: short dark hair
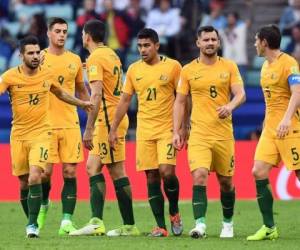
{"type": "Point", "coordinates": [147, 33]}
{"type": "Point", "coordinates": [55, 20]}
{"type": "Point", "coordinates": [28, 40]}
{"type": "Point", "coordinates": [271, 34]}
{"type": "Point", "coordinates": [207, 29]}
{"type": "Point", "coordinates": [96, 29]}
{"type": "Point", "coordinates": [234, 14]}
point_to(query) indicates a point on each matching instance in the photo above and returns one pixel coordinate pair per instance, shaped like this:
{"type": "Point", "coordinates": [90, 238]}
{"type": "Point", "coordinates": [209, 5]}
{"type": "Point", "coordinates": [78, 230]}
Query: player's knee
{"type": "Point", "coordinates": [23, 180]}
{"type": "Point", "coordinates": [69, 172]}
{"type": "Point", "coordinates": [46, 176]}
{"type": "Point", "coordinates": [257, 173]}
{"type": "Point", "coordinates": [152, 176]}
{"type": "Point", "coordinates": [167, 173]}
{"type": "Point", "coordinates": [226, 185]}
{"type": "Point", "coordinates": [34, 178]}
{"type": "Point", "coordinates": [200, 177]}
{"type": "Point", "coordinates": [116, 172]}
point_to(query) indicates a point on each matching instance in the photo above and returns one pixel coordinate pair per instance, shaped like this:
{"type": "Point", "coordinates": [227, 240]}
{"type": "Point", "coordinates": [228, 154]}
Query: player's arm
{"type": "Point", "coordinates": [65, 97]}
{"type": "Point", "coordinates": [186, 123]}
{"type": "Point", "coordinates": [121, 111]}
{"type": "Point", "coordinates": [239, 97]}
{"type": "Point", "coordinates": [96, 96]}
{"type": "Point", "coordinates": [178, 118]}
{"type": "Point", "coordinates": [82, 91]}
{"type": "Point", "coordinates": [294, 104]}
{"type": "Point", "coordinates": [80, 88]}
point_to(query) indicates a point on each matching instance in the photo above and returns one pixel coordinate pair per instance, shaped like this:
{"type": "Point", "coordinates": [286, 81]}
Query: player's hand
{"type": "Point", "coordinates": [224, 111]}
{"type": "Point", "coordinates": [113, 139]}
{"type": "Point", "coordinates": [88, 138]}
{"type": "Point", "coordinates": [184, 135]}
{"type": "Point", "coordinates": [283, 128]}
{"type": "Point", "coordinates": [87, 106]}
{"type": "Point", "coordinates": [177, 141]}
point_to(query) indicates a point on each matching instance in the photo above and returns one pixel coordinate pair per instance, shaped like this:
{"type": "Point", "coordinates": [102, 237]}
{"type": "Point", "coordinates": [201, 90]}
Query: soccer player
{"type": "Point", "coordinates": [104, 71]}
{"type": "Point", "coordinates": [154, 80]}
{"type": "Point", "coordinates": [66, 143]}
{"type": "Point", "coordinates": [280, 138]}
{"type": "Point", "coordinates": [29, 86]}
{"type": "Point", "coordinates": [211, 80]}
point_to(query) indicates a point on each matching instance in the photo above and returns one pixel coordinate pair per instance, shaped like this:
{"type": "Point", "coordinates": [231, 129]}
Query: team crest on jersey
{"type": "Point", "coordinates": [72, 66]}
{"type": "Point", "coordinates": [163, 78]}
{"type": "Point", "coordinates": [93, 70]}
{"type": "Point", "coordinates": [295, 70]}
{"type": "Point", "coordinates": [274, 76]}
{"type": "Point", "coordinates": [46, 84]}
{"type": "Point", "coordinates": [224, 75]}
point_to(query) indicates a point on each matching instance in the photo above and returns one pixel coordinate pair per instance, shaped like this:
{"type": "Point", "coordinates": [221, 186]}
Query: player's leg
{"type": "Point", "coordinates": [200, 157]}
{"type": "Point", "coordinates": [171, 189]}
{"type": "Point", "coordinates": [53, 157]}
{"type": "Point", "coordinates": [97, 197]}
{"type": "Point", "coordinates": [266, 156]}
{"type": "Point", "coordinates": [199, 201]}
{"type": "Point", "coordinates": [148, 162]}
{"type": "Point", "coordinates": [227, 201]}
{"type": "Point", "coordinates": [68, 198]}
{"type": "Point", "coordinates": [34, 200]}
{"type": "Point", "coordinates": [124, 197]}
{"type": "Point", "coordinates": [38, 156]}
{"type": "Point", "coordinates": [70, 153]}
{"type": "Point", "coordinates": [19, 156]}
{"type": "Point", "coordinates": [24, 190]}
{"type": "Point", "coordinates": [167, 161]}
{"type": "Point", "coordinates": [264, 196]}
{"type": "Point", "coordinates": [156, 201]}
{"type": "Point", "coordinates": [223, 165]}
{"type": "Point", "coordinates": [46, 187]}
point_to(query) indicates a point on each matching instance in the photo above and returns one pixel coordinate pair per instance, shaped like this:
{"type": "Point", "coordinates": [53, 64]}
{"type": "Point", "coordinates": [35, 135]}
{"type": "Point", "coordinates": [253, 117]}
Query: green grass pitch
{"type": "Point", "coordinates": [247, 220]}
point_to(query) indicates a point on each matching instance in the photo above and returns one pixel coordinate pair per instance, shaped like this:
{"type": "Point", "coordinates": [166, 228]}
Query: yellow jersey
{"type": "Point", "coordinates": [67, 72]}
{"type": "Point", "coordinates": [276, 78]}
{"type": "Point", "coordinates": [29, 97]}
{"type": "Point", "coordinates": [210, 88]}
{"type": "Point", "coordinates": [104, 65]}
{"type": "Point", "coordinates": [155, 86]}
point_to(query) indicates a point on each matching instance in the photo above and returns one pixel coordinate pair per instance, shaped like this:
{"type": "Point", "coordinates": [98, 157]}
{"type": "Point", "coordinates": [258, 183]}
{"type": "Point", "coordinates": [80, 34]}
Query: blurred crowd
{"type": "Point", "coordinates": [176, 21]}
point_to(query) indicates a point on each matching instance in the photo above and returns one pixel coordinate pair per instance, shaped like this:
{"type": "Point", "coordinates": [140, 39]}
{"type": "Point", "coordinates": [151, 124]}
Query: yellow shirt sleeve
{"type": "Point", "coordinates": [3, 84]}
{"type": "Point", "coordinates": [235, 76]}
{"type": "Point", "coordinates": [183, 84]}
{"type": "Point", "coordinates": [128, 87]}
{"type": "Point", "coordinates": [291, 67]}
{"type": "Point", "coordinates": [94, 69]}
{"type": "Point", "coordinates": [176, 74]}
